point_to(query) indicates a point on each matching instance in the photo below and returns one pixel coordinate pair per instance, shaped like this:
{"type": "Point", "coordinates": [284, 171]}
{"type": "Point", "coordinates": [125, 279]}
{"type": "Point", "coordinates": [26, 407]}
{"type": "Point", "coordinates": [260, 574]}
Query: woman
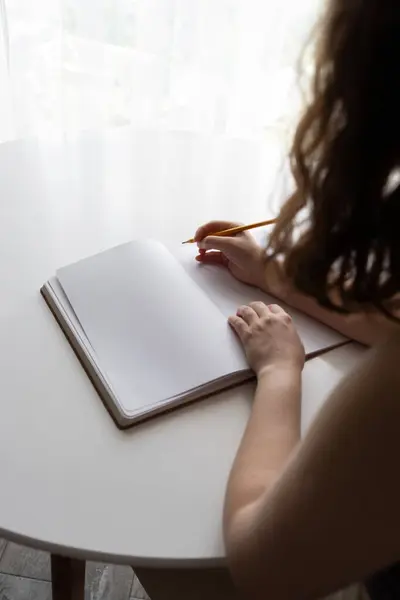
{"type": "Point", "coordinates": [306, 519]}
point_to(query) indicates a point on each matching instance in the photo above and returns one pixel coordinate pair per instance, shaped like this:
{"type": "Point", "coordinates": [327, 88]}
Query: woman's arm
{"type": "Point", "coordinates": [367, 328]}
{"type": "Point", "coordinates": [272, 433]}
{"type": "Point", "coordinates": [246, 261]}
{"type": "Point", "coordinates": [332, 517]}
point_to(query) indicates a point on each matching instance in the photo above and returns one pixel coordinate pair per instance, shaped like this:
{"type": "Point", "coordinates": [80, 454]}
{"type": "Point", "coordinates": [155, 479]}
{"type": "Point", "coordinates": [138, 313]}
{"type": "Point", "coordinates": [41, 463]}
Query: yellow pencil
{"type": "Point", "coordinates": [235, 230]}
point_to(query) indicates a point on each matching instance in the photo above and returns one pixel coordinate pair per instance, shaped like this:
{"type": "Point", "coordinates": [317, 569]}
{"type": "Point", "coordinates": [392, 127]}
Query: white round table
{"type": "Point", "coordinates": [72, 483]}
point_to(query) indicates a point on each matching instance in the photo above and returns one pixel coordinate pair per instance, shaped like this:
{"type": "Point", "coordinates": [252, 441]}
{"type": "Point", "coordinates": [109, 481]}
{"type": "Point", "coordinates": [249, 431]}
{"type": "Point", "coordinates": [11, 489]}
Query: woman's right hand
{"type": "Point", "coordinates": [241, 254]}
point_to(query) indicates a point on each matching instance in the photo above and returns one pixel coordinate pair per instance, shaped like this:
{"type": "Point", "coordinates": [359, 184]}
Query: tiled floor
{"type": "Point", "coordinates": [25, 575]}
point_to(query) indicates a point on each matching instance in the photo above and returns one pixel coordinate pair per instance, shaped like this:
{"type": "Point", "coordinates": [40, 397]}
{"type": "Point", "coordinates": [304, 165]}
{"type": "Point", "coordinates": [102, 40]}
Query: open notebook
{"type": "Point", "coordinates": [149, 325]}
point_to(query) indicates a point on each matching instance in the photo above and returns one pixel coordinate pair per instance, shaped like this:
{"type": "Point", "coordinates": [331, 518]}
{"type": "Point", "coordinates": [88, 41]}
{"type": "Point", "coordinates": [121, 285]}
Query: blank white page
{"type": "Point", "coordinates": [156, 334]}
{"type": "Point", "coordinates": [228, 294]}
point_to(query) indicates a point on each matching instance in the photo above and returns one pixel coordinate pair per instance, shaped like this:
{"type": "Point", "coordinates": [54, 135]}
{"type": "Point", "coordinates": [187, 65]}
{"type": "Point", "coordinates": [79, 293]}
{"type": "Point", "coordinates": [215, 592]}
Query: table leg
{"type": "Point", "coordinates": [187, 584]}
{"type": "Point", "coordinates": [67, 578]}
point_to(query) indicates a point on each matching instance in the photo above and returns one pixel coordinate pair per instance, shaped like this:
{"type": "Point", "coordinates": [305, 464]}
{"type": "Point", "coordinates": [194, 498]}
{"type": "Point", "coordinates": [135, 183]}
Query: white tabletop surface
{"type": "Point", "coordinates": [71, 481]}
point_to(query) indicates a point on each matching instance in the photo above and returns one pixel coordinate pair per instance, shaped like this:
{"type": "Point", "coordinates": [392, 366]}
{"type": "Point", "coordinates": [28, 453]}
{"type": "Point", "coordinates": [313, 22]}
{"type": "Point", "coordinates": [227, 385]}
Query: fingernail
{"type": "Point", "coordinates": [201, 245]}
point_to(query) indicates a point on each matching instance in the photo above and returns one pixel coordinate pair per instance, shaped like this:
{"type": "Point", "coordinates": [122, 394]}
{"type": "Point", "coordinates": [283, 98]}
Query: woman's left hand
{"type": "Point", "coordinates": [269, 337]}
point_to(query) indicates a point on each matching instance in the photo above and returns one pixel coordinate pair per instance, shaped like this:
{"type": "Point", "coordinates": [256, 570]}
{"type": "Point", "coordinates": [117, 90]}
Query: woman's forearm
{"type": "Point", "coordinates": [271, 435]}
{"type": "Point", "coordinates": [368, 329]}
{"type": "Point", "coordinates": [361, 327]}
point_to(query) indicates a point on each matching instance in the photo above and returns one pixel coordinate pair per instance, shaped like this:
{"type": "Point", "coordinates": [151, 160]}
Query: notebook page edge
{"type": "Point", "coordinates": [62, 311]}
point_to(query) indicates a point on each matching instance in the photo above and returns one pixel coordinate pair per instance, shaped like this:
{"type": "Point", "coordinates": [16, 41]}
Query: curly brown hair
{"type": "Point", "coordinates": [344, 158]}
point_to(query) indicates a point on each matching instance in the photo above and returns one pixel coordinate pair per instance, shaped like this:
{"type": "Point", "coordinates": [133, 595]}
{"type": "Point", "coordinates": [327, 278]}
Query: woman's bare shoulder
{"type": "Point", "coordinates": [339, 496]}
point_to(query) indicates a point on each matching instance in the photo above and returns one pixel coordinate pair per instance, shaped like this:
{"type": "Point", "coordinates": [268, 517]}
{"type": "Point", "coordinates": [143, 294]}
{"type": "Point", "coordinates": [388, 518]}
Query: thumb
{"type": "Point", "coordinates": [225, 244]}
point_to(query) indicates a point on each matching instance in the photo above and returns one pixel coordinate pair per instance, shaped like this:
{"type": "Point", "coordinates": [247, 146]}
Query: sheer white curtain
{"type": "Point", "coordinates": [225, 66]}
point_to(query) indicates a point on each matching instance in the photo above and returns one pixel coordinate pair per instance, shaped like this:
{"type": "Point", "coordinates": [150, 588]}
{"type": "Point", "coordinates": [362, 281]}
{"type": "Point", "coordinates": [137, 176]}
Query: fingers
{"type": "Point", "coordinates": [260, 309]}
{"type": "Point", "coordinates": [239, 326]}
{"type": "Point", "coordinates": [274, 308]}
{"type": "Point", "coordinates": [263, 310]}
{"type": "Point", "coordinates": [213, 227]}
{"type": "Point", "coordinates": [248, 314]}
{"type": "Point", "coordinates": [280, 313]}
{"type": "Point", "coordinates": [212, 258]}
{"type": "Point", "coordinates": [253, 312]}
{"type": "Point", "coordinates": [221, 243]}
{"type": "Point", "coordinates": [246, 317]}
